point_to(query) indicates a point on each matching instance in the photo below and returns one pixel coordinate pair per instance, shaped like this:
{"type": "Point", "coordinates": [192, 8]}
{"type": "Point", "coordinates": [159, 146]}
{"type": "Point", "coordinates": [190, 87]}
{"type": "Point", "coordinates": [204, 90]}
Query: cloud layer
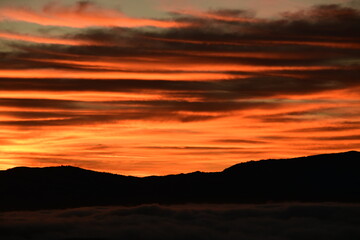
{"type": "Point", "coordinates": [218, 80]}
{"type": "Point", "coordinates": [271, 221]}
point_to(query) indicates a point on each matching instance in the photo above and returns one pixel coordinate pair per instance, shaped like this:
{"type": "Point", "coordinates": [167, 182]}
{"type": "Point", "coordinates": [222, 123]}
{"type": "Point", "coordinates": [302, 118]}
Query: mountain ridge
{"type": "Point", "coordinates": [317, 178]}
{"type": "Point", "coordinates": [197, 171]}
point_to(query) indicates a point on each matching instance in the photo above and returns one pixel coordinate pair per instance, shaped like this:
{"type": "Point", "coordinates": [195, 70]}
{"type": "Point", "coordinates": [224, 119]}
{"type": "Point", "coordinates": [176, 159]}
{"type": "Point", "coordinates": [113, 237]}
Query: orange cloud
{"type": "Point", "coordinates": [81, 15]}
{"type": "Point", "coordinates": [126, 145]}
{"type": "Point", "coordinates": [227, 88]}
{"type": "Point", "coordinates": [47, 40]}
{"type": "Point", "coordinates": [78, 74]}
{"type": "Point", "coordinates": [175, 65]}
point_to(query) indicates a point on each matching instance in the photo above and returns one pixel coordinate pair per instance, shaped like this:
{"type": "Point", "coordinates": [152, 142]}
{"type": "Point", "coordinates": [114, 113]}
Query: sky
{"type": "Point", "coordinates": [156, 87]}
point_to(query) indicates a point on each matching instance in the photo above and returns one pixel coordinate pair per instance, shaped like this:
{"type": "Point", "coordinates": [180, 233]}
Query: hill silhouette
{"type": "Point", "coordinates": [327, 177]}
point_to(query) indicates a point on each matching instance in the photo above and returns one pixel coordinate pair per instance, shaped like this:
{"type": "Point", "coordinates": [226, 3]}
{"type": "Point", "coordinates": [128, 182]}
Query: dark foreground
{"type": "Point", "coordinates": [320, 178]}
{"type": "Point", "coordinates": [326, 221]}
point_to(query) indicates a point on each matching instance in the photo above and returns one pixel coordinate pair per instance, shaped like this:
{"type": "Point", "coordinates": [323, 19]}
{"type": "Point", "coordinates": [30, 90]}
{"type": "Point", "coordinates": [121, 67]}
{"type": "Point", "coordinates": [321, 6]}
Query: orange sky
{"type": "Point", "coordinates": [91, 86]}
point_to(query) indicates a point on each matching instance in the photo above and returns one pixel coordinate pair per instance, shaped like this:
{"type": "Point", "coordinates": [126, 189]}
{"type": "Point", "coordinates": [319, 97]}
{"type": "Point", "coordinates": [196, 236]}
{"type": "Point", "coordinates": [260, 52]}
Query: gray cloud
{"type": "Point", "coordinates": [324, 35]}
{"type": "Point", "coordinates": [89, 112]}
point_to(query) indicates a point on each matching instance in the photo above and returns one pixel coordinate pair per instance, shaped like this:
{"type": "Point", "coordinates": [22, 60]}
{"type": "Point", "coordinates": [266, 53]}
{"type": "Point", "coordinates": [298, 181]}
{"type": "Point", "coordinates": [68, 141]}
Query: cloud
{"type": "Point", "coordinates": [223, 15]}
{"type": "Point", "coordinates": [80, 15]}
{"type": "Point", "coordinates": [241, 141]}
{"type": "Point", "coordinates": [45, 40]}
{"type": "Point", "coordinates": [275, 221]}
{"type": "Point", "coordinates": [192, 148]}
{"type": "Point", "coordinates": [339, 138]}
{"type": "Point", "coordinates": [340, 127]}
{"type": "Point", "coordinates": [223, 78]}
{"type": "Point", "coordinates": [65, 112]}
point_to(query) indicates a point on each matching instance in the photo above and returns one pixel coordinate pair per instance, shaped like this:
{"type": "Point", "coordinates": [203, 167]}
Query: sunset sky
{"type": "Point", "coordinates": [155, 87]}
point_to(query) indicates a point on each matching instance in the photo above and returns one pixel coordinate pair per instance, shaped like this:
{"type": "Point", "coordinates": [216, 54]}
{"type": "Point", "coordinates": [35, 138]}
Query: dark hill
{"type": "Point", "coordinates": [328, 177]}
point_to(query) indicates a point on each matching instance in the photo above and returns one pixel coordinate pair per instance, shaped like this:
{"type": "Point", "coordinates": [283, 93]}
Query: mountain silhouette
{"type": "Point", "coordinates": [318, 178]}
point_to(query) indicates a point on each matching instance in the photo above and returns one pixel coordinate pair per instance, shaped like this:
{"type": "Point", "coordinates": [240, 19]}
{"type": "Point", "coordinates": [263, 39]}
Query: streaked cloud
{"type": "Point", "coordinates": [81, 15]}
{"type": "Point", "coordinates": [196, 90]}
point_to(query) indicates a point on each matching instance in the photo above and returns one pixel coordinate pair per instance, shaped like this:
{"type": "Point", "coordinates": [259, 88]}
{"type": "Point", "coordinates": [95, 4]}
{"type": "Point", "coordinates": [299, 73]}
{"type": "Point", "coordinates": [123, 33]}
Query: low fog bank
{"type": "Point", "coordinates": [211, 222]}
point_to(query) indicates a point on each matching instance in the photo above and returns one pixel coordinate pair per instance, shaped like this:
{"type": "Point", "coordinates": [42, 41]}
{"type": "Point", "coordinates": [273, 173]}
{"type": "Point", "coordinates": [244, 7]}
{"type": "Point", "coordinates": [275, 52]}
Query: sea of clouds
{"type": "Point", "coordinates": [292, 221]}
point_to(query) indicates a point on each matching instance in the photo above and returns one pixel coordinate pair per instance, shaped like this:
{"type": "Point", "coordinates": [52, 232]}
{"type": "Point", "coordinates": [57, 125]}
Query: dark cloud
{"type": "Point", "coordinates": [278, 137]}
{"type": "Point", "coordinates": [240, 141]}
{"type": "Point", "coordinates": [288, 116]}
{"type": "Point", "coordinates": [327, 129]}
{"type": "Point", "coordinates": [38, 103]}
{"type": "Point", "coordinates": [89, 112]}
{"type": "Point", "coordinates": [96, 119]}
{"type": "Point", "coordinates": [335, 147]}
{"type": "Point", "coordinates": [123, 85]}
{"type": "Point", "coordinates": [322, 36]}
{"type": "Point", "coordinates": [339, 138]}
{"type": "Point", "coordinates": [269, 221]}
{"type": "Point", "coordinates": [311, 115]}
{"type": "Point", "coordinates": [252, 87]}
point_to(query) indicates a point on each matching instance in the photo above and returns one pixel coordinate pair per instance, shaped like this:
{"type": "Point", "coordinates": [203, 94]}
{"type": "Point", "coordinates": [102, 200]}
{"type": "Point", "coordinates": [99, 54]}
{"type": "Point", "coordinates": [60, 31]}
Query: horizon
{"type": "Point", "coordinates": [145, 176]}
{"type": "Point", "coordinates": [162, 87]}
